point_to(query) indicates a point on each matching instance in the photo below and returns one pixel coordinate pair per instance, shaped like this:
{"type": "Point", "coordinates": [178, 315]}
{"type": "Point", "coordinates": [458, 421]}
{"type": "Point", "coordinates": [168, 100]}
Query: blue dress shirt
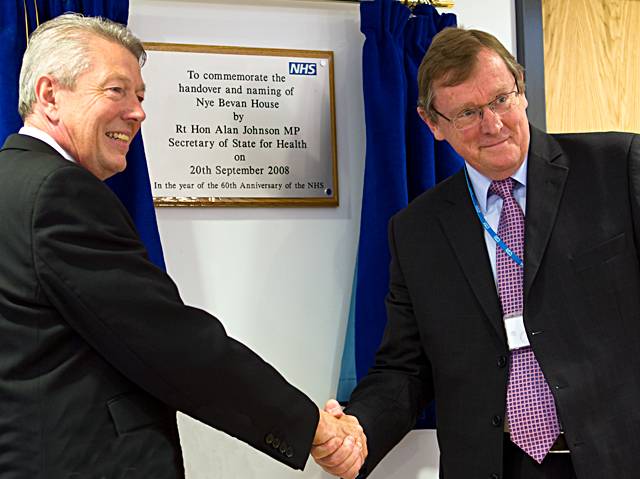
{"type": "Point", "coordinates": [491, 205]}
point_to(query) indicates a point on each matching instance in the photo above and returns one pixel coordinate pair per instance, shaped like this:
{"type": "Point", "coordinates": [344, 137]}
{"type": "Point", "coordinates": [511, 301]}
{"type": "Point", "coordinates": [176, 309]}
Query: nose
{"type": "Point", "coordinates": [490, 121]}
{"type": "Point", "coordinates": [135, 111]}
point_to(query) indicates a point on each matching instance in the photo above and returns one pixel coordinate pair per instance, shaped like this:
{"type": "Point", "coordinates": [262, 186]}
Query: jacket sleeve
{"type": "Point", "coordinates": [388, 400]}
{"type": "Point", "coordinates": [93, 269]}
{"type": "Point", "coordinates": [634, 185]}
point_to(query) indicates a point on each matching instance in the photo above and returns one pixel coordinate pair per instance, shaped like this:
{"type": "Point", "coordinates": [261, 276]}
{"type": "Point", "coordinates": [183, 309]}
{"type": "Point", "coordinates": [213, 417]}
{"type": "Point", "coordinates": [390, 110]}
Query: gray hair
{"type": "Point", "coordinates": [60, 48]}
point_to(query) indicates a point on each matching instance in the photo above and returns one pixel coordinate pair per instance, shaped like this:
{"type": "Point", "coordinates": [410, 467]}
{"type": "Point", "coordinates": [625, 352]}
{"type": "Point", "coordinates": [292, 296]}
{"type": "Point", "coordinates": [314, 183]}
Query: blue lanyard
{"type": "Point", "coordinates": [488, 227]}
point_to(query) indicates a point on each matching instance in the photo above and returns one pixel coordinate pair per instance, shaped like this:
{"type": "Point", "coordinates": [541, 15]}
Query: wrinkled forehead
{"type": "Point", "coordinates": [114, 58]}
{"type": "Point", "coordinates": [489, 75]}
{"type": "Point", "coordinates": [485, 61]}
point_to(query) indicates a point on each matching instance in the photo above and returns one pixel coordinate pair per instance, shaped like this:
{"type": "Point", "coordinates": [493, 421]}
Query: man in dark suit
{"type": "Point", "coordinates": [97, 350]}
{"type": "Point", "coordinates": [514, 288]}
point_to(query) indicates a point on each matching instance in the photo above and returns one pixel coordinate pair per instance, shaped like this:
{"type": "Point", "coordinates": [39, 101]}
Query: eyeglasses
{"type": "Point", "coordinates": [470, 117]}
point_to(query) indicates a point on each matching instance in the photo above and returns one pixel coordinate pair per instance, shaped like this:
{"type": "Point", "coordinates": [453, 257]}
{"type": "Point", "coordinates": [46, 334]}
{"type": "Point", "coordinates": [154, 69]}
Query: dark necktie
{"type": "Point", "coordinates": [531, 410]}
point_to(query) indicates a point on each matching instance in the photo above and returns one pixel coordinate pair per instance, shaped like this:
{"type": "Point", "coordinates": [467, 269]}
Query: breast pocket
{"type": "Point", "coordinates": [599, 254]}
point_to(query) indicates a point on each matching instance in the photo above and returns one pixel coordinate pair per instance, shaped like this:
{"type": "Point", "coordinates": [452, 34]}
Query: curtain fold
{"type": "Point", "coordinates": [132, 186]}
{"type": "Point", "coordinates": [13, 41]}
{"type": "Point", "coordinates": [385, 187]}
{"type": "Point", "coordinates": [428, 161]}
{"type": "Point", "coordinates": [402, 160]}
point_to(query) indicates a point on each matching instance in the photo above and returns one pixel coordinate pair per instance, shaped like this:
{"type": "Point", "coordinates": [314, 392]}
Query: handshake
{"type": "Point", "coordinates": [339, 445]}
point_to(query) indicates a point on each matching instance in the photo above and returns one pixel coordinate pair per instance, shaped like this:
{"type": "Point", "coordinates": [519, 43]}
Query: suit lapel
{"type": "Point", "coordinates": [465, 235]}
{"type": "Point", "coordinates": [546, 175]}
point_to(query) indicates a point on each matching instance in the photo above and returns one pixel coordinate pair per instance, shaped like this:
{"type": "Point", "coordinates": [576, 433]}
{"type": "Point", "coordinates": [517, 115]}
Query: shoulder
{"type": "Point", "coordinates": [27, 162]}
{"type": "Point", "coordinates": [70, 194]}
{"type": "Point", "coordinates": [41, 173]}
{"type": "Point", "coordinates": [596, 143]}
{"type": "Point", "coordinates": [24, 171]}
{"type": "Point", "coordinates": [36, 181]}
{"type": "Point", "coordinates": [585, 154]}
{"type": "Point", "coordinates": [26, 158]}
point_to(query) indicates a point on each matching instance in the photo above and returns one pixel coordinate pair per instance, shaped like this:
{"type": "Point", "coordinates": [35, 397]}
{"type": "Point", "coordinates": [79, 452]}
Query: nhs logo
{"type": "Point", "coordinates": [302, 68]}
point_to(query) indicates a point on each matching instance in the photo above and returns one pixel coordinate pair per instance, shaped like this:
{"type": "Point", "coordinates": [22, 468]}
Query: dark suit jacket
{"type": "Point", "coordinates": [98, 351]}
{"type": "Point", "coordinates": [445, 337]}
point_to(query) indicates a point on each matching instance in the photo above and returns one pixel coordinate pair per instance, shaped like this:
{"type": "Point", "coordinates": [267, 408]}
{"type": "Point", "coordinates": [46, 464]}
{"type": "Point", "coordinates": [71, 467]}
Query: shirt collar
{"type": "Point", "coordinates": [481, 183]}
{"type": "Point", "coordinates": [47, 138]}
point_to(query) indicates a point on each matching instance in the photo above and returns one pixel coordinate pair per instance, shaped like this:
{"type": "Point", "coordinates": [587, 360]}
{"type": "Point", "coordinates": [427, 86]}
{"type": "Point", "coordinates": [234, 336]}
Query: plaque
{"type": "Point", "coordinates": [234, 126]}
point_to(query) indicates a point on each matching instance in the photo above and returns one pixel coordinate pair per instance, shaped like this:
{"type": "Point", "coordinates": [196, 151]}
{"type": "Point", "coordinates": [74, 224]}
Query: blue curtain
{"type": "Point", "coordinates": [402, 161]}
{"type": "Point", "coordinates": [20, 17]}
{"type": "Point", "coordinates": [13, 41]}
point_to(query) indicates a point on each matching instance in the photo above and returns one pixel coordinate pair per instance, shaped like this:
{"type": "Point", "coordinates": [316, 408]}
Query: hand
{"type": "Point", "coordinates": [340, 446]}
{"type": "Point", "coordinates": [333, 407]}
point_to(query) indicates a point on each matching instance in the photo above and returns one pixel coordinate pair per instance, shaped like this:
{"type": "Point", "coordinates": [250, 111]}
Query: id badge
{"type": "Point", "coordinates": [516, 334]}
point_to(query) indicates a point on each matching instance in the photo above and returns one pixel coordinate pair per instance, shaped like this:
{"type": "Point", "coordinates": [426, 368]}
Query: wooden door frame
{"type": "Point", "coordinates": [530, 54]}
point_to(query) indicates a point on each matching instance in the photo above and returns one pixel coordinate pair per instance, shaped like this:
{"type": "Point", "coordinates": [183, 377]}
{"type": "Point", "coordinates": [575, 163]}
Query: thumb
{"type": "Point", "coordinates": [333, 407]}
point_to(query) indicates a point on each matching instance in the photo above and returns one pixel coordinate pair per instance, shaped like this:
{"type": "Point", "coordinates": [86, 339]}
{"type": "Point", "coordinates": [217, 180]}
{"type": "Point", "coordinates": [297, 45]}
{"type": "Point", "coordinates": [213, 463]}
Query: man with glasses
{"type": "Point", "coordinates": [513, 297]}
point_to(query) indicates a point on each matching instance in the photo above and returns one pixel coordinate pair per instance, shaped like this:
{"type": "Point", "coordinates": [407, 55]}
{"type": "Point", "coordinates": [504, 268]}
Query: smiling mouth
{"type": "Point", "coordinates": [119, 136]}
{"type": "Point", "coordinates": [496, 143]}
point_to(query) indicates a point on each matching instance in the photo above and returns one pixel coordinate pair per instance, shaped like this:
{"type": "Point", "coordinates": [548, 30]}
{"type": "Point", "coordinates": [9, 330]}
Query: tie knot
{"type": "Point", "coordinates": [502, 188]}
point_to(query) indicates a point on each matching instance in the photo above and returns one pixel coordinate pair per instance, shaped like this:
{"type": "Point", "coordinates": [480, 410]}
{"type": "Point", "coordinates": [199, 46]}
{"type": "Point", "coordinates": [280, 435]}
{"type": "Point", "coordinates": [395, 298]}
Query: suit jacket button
{"type": "Point", "coordinates": [289, 452]}
{"type": "Point", "coordinates": [496, 420]}
{"type": "Point", "coordinates": [283, 447]}
{"type": "Point", "coordinates": [276, 443]}
{"type": "Point", "coordinates": [269, 438]}
{"type": "Point", "coordinates": [502, 361]}
{"type": "Point", "coordinates": [494, 476]}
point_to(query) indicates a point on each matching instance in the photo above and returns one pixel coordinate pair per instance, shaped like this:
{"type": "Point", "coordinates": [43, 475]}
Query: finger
{"type": "Point", "coordinates": [352, 463]}
{"type": "Point", "coordinates": [353, 471]}
{"type": "Point", "coordinates": [350, 427]}
{"type": "Point", "coordinates": [362, 442]}
{"type": "Point", "coordinates": [351, 423]}
{"type": "Point", "coordinates": [333, 407]}
{"type": "Point", "coordinates": [340, 455]}
{"type": "Point", "coordinates": [320, 451]}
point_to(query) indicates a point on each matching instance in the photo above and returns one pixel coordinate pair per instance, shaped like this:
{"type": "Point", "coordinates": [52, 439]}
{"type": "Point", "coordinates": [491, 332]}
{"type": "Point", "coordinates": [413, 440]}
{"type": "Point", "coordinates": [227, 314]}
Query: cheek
{"type": "Point", "coordinates": [94, 131]}
{"type": "Point", "coordinates": [469, 141]}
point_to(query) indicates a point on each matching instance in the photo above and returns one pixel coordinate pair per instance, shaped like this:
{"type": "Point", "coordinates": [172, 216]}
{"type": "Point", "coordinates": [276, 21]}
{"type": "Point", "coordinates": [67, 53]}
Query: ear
{"type": "Point", "coordinates": [523, 99]}
{"type": "Point", "coordinates": [433, 126]}
{"type": "Point", "coordinates": [47, 97]}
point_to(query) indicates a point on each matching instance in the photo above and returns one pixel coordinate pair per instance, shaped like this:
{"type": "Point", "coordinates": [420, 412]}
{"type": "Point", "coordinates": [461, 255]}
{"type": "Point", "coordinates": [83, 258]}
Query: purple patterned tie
{"type": "Point", "coordinates": [531, 410]}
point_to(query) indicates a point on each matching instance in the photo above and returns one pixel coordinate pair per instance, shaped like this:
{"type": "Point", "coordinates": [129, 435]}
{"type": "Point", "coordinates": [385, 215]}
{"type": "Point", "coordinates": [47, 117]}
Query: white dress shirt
{"type": "Point", "coordinates": [48, 139]}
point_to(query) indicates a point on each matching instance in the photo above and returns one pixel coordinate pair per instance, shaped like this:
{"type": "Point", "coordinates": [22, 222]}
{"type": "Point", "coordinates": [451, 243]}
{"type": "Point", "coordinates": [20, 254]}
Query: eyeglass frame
{"type": "Point", "coordinates": [480, 108]}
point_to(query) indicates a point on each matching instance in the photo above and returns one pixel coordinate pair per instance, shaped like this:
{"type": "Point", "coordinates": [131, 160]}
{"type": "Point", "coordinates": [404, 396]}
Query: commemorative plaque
{"type": "Point", "coordinates": [232, 126]}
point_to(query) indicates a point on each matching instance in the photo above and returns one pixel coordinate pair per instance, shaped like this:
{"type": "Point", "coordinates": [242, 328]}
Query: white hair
{"type": "Point", "coordinates": [60, 48]}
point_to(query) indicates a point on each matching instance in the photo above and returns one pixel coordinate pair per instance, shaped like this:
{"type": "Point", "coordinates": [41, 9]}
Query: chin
{"type": "Point", "coordinates": [505, 159]}
{"type": "Point", "coordinates": [114, 169]}
{"type": "Point", "coordinates": [119, 165]}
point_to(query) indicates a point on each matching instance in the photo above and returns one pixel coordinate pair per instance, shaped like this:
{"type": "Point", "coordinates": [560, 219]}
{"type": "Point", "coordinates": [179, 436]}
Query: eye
{"type": "Point", "coordinates": [501, 100]}
{"type": "Point", "coordinates": [116, 90]}
{"type": "Point", "coordinates": [140, 98]}
{"type": "Point", "coordinates": [467, 113]}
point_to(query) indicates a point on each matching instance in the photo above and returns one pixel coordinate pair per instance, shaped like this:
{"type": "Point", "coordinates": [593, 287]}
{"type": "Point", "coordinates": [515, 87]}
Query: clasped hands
{"type": "Point", "coordinates": [339, 446]}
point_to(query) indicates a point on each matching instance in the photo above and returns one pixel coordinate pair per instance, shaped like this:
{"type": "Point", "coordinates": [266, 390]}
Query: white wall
{"type": "Point", "coordinates": [280, 278]}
